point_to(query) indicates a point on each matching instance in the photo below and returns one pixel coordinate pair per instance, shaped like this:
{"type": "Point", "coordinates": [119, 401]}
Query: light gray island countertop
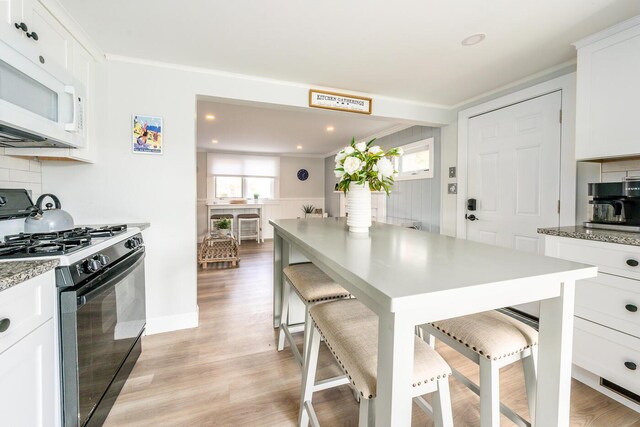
{"type": "Point", "coordinates": [15, 272]}
{"type": "Point", "coordinates": [409, 277]}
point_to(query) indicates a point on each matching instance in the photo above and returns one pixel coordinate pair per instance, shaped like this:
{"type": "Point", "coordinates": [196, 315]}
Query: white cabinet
{"type": "Point", "coordinates": [57, 51]}
{"type": "Point", "coordinates": [27, 380]}
{"type": "Point", "coordinates": [607, 315]}
{"type": "Point", "coordinates": [608, 93]}
{"type": "Point", "coordinates": [29, 385]}
{"type": "Point", "coordinates": [11, 20]}
{"type": "Point", "coordinates": [28, 27]}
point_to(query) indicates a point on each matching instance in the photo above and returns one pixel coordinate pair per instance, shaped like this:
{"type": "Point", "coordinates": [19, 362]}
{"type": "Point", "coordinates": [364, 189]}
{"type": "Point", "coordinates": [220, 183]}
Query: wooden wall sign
{"type": "Point", "coordinates": [339, 101]}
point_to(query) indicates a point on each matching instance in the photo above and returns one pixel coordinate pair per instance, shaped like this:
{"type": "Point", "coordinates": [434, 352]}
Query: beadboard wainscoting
{"type": "Point", "coordinates": [283, 208]}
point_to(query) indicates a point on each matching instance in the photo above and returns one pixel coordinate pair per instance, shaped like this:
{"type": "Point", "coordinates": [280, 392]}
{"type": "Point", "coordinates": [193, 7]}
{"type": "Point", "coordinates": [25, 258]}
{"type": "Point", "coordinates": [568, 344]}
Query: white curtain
{"type": "Point", "coordinates": [242, 165]}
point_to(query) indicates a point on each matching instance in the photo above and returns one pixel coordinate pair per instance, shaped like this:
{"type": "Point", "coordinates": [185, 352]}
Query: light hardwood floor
{"type": "Point", "coordinates": [227, 371]}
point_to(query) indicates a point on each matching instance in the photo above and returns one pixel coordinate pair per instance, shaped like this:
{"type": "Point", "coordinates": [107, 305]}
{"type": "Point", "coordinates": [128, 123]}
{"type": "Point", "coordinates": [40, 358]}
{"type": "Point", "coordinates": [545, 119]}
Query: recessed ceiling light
{"type": "Point", "coordinates": [209, 117]}
{"type": "Point", "coordinates": [330, 128]}
{"type": "Point", "coordinates": [473, 39]}
{"type": "Point", "coordinates": [214, 141]}
{"type": "Point", "coordinates": [299, 147]}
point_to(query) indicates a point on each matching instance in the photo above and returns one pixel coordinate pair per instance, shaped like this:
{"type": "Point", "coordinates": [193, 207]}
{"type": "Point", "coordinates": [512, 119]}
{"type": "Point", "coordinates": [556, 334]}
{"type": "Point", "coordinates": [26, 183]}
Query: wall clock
{"type": "Point", "coordinates": [303, 174]}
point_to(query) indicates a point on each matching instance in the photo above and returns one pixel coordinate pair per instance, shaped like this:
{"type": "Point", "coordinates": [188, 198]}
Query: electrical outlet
{"type": "Point", "coordinates": [452, 172]}
{"type": "Point", "coordinates": [452, 188]}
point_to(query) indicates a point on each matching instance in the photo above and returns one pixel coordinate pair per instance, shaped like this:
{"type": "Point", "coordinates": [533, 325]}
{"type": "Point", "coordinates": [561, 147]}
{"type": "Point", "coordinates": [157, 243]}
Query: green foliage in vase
{"type": "Point", "coordinates": [223, 224]}
{"type": "Point", "coordinates": [364, 162]}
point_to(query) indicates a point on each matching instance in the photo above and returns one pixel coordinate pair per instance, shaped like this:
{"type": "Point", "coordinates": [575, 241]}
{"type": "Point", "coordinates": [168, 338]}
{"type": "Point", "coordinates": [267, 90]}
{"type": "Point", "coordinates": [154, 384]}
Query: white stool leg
{"type": "Point", "coordinates": [442, 413]}
{"type": "Point", "coordinates": [284, 316]}
{"type": "Point", "coordinates": [489, 393]}
{"type": "Point", "coordinates": [366, 417]}
{"type": "Point", "coordinates": [257, 231]}
{"type": "Point", "coordinates": [529, 364]}
{"type": "Point", "coordinates": [308, 325]}
{"type": "Point", "coordinates": [309, 376]}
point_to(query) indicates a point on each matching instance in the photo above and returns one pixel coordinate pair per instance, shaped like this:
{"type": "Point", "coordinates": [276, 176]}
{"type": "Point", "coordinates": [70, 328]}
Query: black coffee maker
{"type": "Point", "coordinates": [615, 205]}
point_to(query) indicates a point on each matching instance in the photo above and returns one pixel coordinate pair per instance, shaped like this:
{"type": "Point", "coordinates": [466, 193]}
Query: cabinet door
{"type": "Point", "coordinates": [608, 90]}
{"type": "Point", "coordinates": [53, 49]}
{"type": "Point", "coordinates": [11, 13]}
{"type": "Point", "coordinates": [27, 380]}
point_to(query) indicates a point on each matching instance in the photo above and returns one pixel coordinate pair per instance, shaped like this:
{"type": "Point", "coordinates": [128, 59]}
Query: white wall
{"type": "Point", "coordinates": [122, 186]}
{"type": "Point", "coordinates": [291, 186]}
{"type": "Point", "coordinates": [449, 157]}
{"type": "Point", "coordinates": [24, 173]}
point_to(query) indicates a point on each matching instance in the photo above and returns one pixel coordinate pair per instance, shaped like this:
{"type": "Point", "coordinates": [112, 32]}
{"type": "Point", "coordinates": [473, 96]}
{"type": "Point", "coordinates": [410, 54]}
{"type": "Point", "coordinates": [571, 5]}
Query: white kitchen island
{"type": "Point", "coordinates": [410, 277]}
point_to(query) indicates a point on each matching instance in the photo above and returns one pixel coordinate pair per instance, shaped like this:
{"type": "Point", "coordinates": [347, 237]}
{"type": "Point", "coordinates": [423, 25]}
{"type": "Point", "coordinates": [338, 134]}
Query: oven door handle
{"type": "Point", "coordinates": [115, 275]}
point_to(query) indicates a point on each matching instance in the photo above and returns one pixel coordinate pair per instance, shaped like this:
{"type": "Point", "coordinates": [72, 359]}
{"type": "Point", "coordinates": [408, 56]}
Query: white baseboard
{"type": "Point", "coordinates": [158, 325]}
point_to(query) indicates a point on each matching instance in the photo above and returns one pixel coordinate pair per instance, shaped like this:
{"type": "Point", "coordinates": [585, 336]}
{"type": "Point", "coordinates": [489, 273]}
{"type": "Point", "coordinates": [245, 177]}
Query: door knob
{"type": "Point", "coordinates": [631, 366]}
{"type": "Point", "coordinates": [631, 307]}
{"type": "Point", "coordinates": [471, 217]}
{"type": "Point", "coordinates": [33, 35]}
{"type": "Point", "coordinates": [21, 26]}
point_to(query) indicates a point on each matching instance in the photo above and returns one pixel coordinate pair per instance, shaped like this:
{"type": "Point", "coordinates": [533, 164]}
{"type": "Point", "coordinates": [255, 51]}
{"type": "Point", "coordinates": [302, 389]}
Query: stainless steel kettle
{"type": "Point", "coordinates": [50, 219]}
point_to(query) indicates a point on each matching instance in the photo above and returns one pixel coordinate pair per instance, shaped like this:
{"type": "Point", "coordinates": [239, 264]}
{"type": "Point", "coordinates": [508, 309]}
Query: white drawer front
{"type": "Point", "coordinates": [27, 306]}
{"type": "Point", "coordinates": [612, 301]}
{"type": "Point", "coordinates": [623, 260]}
{"type": "Point", "coordinates": [604, 352]}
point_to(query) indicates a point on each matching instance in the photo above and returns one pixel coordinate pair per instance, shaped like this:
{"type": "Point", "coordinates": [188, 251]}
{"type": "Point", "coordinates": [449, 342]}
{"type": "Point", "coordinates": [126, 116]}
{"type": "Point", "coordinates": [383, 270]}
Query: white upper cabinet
{"type": "Point", "coordinates": [54, 48]}
{"type": "Point", "coordinates": [30, 29]}
{"type": "Point", "coordinates": [608, 93]}
{"type": "Point", "coordinates": [12, 26]}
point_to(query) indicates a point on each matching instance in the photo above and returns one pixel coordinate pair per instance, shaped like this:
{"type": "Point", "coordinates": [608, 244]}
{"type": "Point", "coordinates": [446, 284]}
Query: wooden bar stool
{"type": "Point", "coordinates": [492, 340]}
{"type": "Point", "coordinates": [248, 218]}
{"type": "Point", "coordinates": [350, 331]}
{"type": "Point", "coordinates": [313, 287]}
{"type": "Point", "coordinates": [216, 217]}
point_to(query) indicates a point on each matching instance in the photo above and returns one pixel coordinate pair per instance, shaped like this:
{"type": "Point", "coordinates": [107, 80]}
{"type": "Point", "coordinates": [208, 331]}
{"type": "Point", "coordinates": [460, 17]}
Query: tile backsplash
{"type": "Point", "coordinates": [17, 172]}
{"type": "Point", "coordinates": [616, 171]}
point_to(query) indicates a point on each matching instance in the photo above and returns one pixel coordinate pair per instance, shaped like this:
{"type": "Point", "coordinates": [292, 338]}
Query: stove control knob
{"type": "Point", "coordinates": [131, 244]}
{"type": "Point", "coordinates": [92, 265]}
{"type": "Point", "coordinates": [102, 259]}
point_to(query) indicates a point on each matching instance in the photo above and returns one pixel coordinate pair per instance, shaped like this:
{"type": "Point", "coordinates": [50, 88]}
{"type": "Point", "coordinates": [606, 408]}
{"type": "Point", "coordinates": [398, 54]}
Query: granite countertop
{"type": "Point", "coordinates": [15, 272]}
{"type": "Point", "coordinates": [580, 232]}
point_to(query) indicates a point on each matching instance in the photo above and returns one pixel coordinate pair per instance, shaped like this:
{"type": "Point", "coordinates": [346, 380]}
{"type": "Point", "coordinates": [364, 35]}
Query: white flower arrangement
{"type": "Point", "coordinates": [361, 162]}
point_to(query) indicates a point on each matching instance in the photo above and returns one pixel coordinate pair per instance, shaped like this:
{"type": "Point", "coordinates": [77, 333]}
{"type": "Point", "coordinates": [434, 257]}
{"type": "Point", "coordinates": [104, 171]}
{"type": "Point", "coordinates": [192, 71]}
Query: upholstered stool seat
{"type": "Point", "coordinates": [491, 334]}
{"type": "Point", "coordinates": [492, 340]}
{"type": "Point", "coordinates": [350, 331]}
{"type": "Point", "coordinates": [313, 286]}
{"type": "Point", "coordinates": [249, 218]}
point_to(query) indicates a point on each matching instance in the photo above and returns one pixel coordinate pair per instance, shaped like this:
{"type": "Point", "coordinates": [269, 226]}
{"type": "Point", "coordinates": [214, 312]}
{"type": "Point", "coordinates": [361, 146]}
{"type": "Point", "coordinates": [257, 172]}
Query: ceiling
{"type": "Point", "coordinates": [268, 130]}
{"type": "Point", "coordinates": [409, 49]}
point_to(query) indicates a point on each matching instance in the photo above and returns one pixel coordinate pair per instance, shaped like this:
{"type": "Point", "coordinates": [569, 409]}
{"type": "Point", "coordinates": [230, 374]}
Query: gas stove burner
{"type": "Point", "coordinates": [108, 230]}
{"type": "Point", "coordinates": [54, 242]}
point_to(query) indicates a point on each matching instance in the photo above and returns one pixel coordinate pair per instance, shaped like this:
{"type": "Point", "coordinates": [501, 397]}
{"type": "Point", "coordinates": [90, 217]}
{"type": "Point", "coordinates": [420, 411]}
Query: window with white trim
{"type": "Point", "coordinates": [234, 176]}
{"type": "Point", "coordinates": [417, 160]}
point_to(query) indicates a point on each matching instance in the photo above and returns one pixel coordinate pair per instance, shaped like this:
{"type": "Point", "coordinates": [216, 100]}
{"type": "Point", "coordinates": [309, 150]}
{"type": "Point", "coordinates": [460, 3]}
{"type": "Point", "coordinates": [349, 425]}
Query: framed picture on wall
{"type": "Point", "coordinates": [147, 137]}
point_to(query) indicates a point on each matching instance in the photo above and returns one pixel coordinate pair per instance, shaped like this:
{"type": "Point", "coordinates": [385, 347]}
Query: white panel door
{"type": "Point", "coordinates": [514, 173]}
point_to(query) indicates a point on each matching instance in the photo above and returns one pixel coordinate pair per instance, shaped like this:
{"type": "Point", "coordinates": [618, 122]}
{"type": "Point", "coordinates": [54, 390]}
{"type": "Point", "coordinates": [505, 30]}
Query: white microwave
{"type": "Point", "coordinates": [36, 108]}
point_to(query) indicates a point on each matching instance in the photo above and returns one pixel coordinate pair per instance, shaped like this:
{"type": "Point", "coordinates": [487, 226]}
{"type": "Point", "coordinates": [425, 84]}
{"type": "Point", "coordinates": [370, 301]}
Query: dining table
{"type": "Point", "coordinates": [410, 277]}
